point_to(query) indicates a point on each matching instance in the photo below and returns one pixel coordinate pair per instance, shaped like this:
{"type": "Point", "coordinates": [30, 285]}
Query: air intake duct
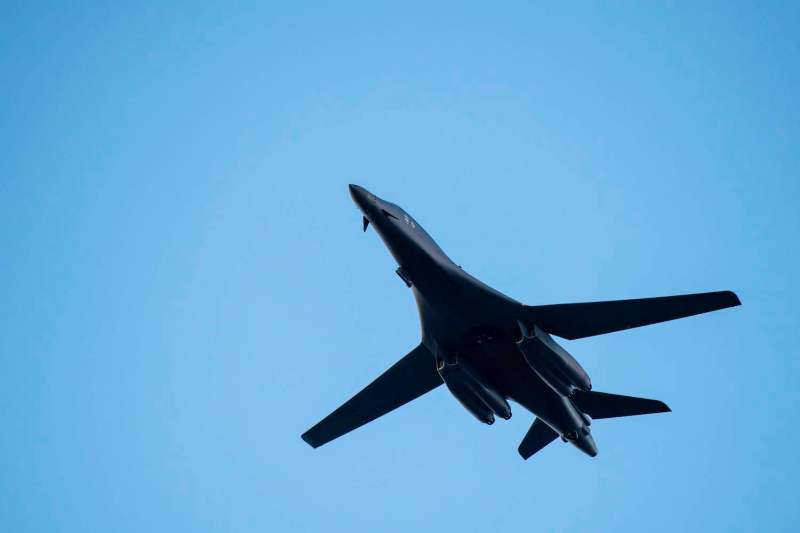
{"type": "Point", "coordinates": [472, 390]}
{"type": "Point", "coordinates": [551, 362]}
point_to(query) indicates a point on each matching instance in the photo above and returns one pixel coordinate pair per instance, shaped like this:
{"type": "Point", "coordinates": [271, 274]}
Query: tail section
{"type": "Point", "coordinates": [597, 405]}
{"type": "Point", "coordinates": [539, 436]}
{"type": "Point", "coordinates": [604, 405]}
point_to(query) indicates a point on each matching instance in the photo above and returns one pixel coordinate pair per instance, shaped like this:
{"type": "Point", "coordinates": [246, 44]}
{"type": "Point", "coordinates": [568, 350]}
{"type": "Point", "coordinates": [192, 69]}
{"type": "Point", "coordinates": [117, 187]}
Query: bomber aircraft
{"type": "Point", "coordinates": [488, 348]}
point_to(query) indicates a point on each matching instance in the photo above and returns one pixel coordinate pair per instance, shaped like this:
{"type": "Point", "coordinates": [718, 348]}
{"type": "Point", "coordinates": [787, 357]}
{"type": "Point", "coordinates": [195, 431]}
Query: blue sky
{"type": "Point", "coordinates": [186, 288]}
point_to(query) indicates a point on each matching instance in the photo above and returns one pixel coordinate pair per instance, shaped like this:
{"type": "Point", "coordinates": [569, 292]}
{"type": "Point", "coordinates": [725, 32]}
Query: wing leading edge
{"type": "Point", "coordinates": [408, 379]}
{"type": "Point", "coordinates": [578, 320]}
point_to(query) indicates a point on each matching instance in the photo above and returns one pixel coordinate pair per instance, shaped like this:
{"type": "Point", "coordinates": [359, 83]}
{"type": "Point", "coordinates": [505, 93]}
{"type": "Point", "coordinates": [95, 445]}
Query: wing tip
{"type": "Point", "coordinates": [664, 408]}
{"type": "Point", "coordinates": [732, 298]}
{"type": "Point", "coordinates": [311, 441]}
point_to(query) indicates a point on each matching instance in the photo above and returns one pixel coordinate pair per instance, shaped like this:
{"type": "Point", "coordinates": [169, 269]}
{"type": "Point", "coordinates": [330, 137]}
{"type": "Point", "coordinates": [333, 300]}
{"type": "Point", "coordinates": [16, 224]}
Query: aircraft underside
{"type": "Point", "coordinates": [488, 348]}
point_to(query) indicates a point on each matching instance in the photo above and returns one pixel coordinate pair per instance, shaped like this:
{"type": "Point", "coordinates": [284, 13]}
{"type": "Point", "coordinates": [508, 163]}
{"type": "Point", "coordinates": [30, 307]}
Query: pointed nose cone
{"type": "Point", "coordinates": [359, 195]}
{"type": "Point", "coordinates": [587, 445]}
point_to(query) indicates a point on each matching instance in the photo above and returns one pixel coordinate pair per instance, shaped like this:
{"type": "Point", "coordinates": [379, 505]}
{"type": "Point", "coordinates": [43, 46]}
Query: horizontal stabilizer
{"type": "Point", "coordinates": [575, 321]}
{"type": "Point", "coordinates": [538, 436]}
{"type": "Point", "coordinates": [409, 378]}
{"type": "Point", "coordinates": [604, 405]}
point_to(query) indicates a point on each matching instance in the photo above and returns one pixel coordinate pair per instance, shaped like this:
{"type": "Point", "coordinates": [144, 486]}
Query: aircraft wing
{"type": "Point", "coordinates": [575, 321]}
{"type": "Point", "coordinates": [409, 378]}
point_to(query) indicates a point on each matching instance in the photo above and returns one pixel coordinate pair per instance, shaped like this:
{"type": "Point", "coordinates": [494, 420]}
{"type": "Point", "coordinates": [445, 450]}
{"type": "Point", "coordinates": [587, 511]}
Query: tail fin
{"type": "Point", "coordinates": [604, 405]}
{"type": "Point", "coordinates": [539, 436]}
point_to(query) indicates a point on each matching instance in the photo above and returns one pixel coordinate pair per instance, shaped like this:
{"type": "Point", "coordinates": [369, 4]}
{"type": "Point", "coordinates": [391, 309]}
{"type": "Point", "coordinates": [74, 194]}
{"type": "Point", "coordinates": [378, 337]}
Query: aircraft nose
{"type": "Point", "coordinates": [359, 195]}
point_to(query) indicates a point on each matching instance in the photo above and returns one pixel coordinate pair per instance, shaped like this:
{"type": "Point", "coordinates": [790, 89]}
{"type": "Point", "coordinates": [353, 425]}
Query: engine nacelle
{"type": "Point", "coordinates": [470, 401]}
{"type": "Point", "coordinates": [474, 393]}
{"type": "Point", "coordinates": [551, 362]}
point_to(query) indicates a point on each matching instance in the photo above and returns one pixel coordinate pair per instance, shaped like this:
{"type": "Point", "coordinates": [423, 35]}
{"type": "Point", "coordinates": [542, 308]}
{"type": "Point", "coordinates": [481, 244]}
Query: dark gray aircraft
{"type": "Point", "coordinates": [488, 348]}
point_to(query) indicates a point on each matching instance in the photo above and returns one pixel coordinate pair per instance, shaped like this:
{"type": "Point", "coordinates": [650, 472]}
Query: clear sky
{"type": "Point", "coordinates": [185, 286]}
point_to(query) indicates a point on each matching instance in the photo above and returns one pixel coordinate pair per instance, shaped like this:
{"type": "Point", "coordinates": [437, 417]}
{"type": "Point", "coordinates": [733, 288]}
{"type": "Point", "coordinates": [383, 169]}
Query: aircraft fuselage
{"type": "Point", "coordinates": [462, 318]}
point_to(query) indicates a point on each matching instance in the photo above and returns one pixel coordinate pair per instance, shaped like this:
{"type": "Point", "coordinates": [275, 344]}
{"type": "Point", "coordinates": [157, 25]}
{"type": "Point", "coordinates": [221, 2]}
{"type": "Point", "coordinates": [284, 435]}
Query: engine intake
{"type": "Point", "coordinates": [551, 362]}
{"type": "Point", "coordinates": [474, 393]}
